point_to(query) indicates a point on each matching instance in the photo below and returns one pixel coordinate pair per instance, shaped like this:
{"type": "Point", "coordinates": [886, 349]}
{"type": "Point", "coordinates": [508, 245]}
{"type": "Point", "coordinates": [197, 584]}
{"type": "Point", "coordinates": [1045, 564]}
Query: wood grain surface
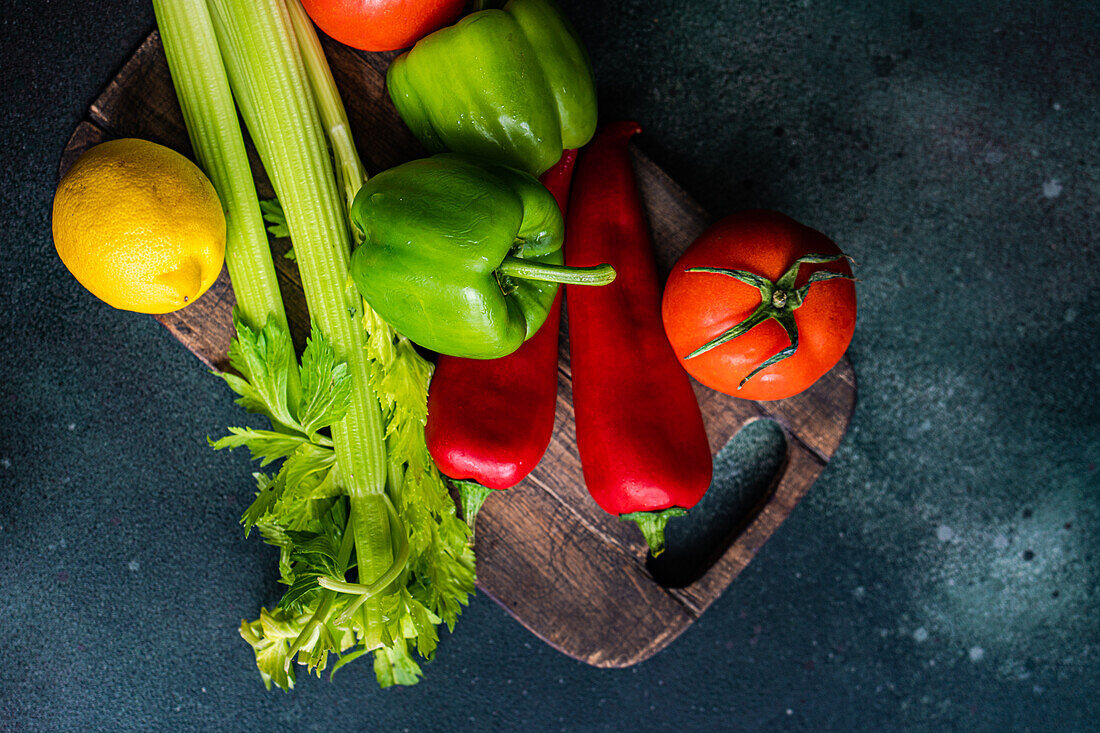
{"type": "Point", "coordinates": [570, 573]}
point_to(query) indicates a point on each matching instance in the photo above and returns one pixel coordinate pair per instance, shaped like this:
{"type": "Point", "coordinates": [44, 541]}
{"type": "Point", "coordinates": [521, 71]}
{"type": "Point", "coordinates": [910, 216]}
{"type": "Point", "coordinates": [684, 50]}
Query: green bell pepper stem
{"type": "Point", "coordinates": [545, 272]}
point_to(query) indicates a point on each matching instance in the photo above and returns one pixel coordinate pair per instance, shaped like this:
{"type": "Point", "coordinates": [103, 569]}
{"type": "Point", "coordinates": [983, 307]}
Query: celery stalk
{"type": "Point", "coordinates": [441, 558]}
{"type": "Point", "coordinates": [260, 34]}
{"type": "Point", "coordinates": [371, 488]}
{"type": "Point", "coordinates": [349, 168]}
{"type": "Point", "coordinates": [207, 104]}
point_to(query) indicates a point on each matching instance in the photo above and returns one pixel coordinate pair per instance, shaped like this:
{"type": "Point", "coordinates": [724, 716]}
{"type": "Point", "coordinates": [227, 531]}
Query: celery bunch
{"type": "Point", "coordinates": [370, 548]}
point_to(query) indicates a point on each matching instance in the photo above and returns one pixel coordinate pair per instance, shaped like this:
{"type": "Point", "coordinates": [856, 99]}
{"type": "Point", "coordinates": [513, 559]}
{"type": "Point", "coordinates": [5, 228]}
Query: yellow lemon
{"type": "Point", "coordinates": [140, 226]}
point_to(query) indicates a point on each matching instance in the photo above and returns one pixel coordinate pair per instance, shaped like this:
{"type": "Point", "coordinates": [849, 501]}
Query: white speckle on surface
{"type": "Point", "coordinates": [62, 543]}
{"type": "Point", "coordinates": [920, 635]}
{"type": "Point", "coordinates": [859, 592]}
{"type": "Point", "coordinates": [1070, 315]}
{"type": "Point", "coordinates": [204, 689]}
{"type": "Point", "coordinates": [134, 566]}
{"type": "Point", "coordinates": [790, 712]}
{"type": "Point", "coordinates": [1052, 189]}
{"type": "Point", "coordinates": [1057, 106]}
{"type": "Point", "coordinates": [5, 462]}
{"type": "Point", "coordinates": [71, 426]}
{"type": "Point", "coordinates": [944, 533]}
{"type": "Point", "coordinates": [1010, 587]}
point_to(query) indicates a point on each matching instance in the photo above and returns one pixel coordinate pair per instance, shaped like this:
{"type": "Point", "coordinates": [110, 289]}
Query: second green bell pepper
{"type": "Point", "coordinates": [460, 255]}
{"type": "Point", "coordinates": [511, 85]}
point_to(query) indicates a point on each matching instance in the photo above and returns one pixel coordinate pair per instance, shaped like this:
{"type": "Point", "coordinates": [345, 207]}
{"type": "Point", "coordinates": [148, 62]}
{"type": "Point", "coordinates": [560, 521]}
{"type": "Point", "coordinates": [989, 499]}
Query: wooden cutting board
{"type": "Point", "coordinates": [570, 573]}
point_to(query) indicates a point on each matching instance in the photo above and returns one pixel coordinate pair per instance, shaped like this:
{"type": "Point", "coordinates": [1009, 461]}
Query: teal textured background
{"type": "Point", "coordinates": [943, 572]}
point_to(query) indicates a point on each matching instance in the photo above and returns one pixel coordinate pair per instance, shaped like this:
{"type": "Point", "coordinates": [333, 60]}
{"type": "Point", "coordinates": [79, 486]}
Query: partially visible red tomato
{"type": "Point", "coordinates": [381, 25]}
{"type": "Point", "coordinates": [699, 307]}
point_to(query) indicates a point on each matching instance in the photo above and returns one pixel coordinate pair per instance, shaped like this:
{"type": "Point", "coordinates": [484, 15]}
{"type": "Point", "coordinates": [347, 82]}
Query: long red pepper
{"type": "Point", "coordinates": [640, 434]}
{"type": "Point", "coordinates": [489, 422]}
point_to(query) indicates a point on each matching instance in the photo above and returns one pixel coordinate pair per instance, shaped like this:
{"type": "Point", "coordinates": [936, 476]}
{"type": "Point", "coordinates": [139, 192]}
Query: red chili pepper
{"type": "Point", "coordinates": [640, 434]}
{"type": "Point", "coordinates": [489, 421]}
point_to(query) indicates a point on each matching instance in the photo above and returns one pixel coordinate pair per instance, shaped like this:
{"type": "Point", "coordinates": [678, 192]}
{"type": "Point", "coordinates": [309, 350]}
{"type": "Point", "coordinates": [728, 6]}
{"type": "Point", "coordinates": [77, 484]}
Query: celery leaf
{"type": "Point", "coordinates": [263, 358]}
{"type": "Point", "coordinates": [326, 386]}
{"type": "Point", "coordinates": [273, 214]}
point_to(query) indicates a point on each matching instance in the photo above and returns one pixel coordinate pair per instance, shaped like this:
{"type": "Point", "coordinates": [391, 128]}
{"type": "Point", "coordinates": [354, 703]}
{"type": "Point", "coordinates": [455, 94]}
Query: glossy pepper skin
{"type": "Point", "coordinates": [640, 434]}
{"type": "Point", "coordinates": [461, 256]}
{"type": "Point", "coordinates": [512, 85]}
{"type": "Point", "coordinates": [490, 421]}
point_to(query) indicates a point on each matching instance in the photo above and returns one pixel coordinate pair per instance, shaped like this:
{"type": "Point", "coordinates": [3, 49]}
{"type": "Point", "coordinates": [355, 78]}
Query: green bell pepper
{"type": "Point", "coordinates": [511, 85]}
{"type": "Point", "coordinates": [460, 255]}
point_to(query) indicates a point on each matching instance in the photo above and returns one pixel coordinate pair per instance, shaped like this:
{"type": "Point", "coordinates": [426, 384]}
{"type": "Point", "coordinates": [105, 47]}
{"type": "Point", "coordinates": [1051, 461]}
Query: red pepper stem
{"type": "Point", "coordinates": [653, 524]}
{"type": "Point", "coordinates": [546, 272]}
{"type": "Point", "coordinates": [472, 495]}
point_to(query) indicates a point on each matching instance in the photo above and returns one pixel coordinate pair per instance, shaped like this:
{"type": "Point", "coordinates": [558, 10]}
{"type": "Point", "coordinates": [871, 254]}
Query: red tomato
{"type": "Point", "coordinates": [699, 307]}
{"type": "Point", "coordinates": [381, 25]}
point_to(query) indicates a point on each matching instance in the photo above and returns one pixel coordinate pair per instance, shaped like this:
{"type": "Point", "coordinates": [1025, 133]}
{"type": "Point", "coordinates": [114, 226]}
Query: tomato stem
{"type": "Point", "coordinates": [778, 301]}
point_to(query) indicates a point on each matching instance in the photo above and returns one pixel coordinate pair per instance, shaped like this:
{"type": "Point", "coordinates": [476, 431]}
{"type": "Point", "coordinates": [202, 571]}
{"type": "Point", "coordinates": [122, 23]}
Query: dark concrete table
{"type": "Point", "coordinates": [942, 573]}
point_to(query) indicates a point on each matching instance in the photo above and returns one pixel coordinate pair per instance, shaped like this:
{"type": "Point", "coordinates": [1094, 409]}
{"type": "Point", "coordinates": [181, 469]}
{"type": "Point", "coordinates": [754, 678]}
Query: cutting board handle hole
{"type": "Point", "coordinates": [746, 471]}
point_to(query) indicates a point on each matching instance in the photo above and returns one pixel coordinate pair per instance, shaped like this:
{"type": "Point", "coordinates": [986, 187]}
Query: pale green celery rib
{"type": "Point", "coordinates": [349, 167]}
{"type": "Point", "coordinates": [203, 92]}
{"type": "Point", "coordinates": [297, 159]}
{"type": "Point", "coordinates": [338, 130]}
{"type": "Point", "coordinates": [236, 66]}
